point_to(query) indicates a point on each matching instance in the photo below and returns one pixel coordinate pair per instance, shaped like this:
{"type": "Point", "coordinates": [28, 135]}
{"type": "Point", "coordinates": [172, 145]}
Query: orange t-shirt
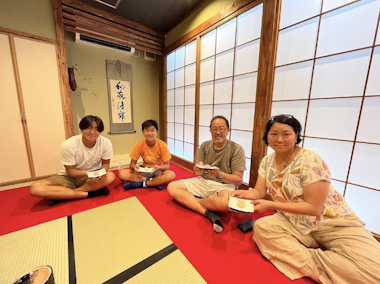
{"type": "Point", "coordinates": [152, 156]}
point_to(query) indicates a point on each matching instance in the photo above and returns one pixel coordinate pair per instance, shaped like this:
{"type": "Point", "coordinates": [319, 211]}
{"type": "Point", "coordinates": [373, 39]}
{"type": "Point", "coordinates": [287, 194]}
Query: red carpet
{"type": "Point", "coordinates": [228, 257]}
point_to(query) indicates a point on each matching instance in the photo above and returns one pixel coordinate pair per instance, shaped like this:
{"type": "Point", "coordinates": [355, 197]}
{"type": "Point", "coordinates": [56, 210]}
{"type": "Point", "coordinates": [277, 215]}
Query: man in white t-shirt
{"type": "Point", "coordinates": [80, 154]}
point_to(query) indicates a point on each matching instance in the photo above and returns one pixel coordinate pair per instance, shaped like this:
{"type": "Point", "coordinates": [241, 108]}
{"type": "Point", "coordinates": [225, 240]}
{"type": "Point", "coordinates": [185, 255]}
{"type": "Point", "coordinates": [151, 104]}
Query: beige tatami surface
{"type": "Point", "coordinates": [24, 250]}
{"type": "Point", "coordinates": [108, 240]}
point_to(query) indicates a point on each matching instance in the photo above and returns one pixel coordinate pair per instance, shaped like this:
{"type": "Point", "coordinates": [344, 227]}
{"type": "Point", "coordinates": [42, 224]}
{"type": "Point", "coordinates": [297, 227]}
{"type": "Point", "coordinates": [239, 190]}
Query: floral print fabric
{"type": "Point", "coordinates": [287, 186]}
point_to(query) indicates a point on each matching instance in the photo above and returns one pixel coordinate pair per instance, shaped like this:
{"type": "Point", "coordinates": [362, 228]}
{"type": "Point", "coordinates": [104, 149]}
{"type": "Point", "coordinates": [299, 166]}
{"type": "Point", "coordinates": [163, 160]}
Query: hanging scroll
{"type": "Point", "coordinates": [119, 77]}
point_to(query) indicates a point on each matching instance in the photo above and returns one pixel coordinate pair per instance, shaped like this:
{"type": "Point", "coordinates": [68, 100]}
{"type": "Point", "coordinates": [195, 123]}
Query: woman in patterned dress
{"type": "Point", "coordinates": [314, 233]}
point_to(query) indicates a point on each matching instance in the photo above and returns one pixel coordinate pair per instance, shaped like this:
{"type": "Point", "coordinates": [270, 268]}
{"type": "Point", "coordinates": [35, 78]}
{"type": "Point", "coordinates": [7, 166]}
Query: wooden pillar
{"type": "Point", "coordinates": [265, 81]}
{"type": "Point", "coordinates": [62, 66]}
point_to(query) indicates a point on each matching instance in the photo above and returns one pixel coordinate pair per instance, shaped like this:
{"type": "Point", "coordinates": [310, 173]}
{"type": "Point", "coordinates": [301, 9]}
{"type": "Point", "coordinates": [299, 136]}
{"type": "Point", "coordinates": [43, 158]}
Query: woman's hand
{"type": "Point", "coordinates": [244, 194]}
{"type": "Point", "coordinates": [262, 205]}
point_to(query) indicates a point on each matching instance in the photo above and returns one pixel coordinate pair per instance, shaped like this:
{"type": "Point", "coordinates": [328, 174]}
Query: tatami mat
{"type": "Point", "coordinates": [110, 239]}
{"type": "Point", "coordinates": [173, 269]}
{"type": "Point", "coordinates": [45, 244]}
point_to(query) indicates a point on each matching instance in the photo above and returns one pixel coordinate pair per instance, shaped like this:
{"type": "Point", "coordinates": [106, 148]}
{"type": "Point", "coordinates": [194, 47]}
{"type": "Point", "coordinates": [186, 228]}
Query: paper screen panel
{"type": "Point", "coordinates": [191, 52]}
{"type": "Point", "coordinates": [332, 4]}
{"type": "Point", "coordinates": [170, 130]}
{"type": "Point", "coordinates": [206, 91]}
{"type": "Point", "coordinates": [364, 168]}
{"type": "Point", "coordinates": [365, 202]}
{"type": "Point", "coordinates": [373, 85]}
{"type": "Point", "coordinates": [348, 28]}
{"type": "Point", "coordinates": [336, 154]}
{"type": "Point", "coordinates": [245, 88]}
{"type": "Point", "coordinates": [180, 57]}
{"type": "Point", "coordinates": [180, 77]}
{"type": "Point", "coordinates": [247, 57]}
{"type": "Point", "coordinates": [244, 139]}
{"type": "Point", "coordinates": [208, 44]}
{"type": "Point", "coordinates": [223, 91]}
{"type": "Point", "coordinates": [242, 116]}
{"type": "Point", "coordinates": [249, 25]}
{"type": "Point", "coordinates": [342, 75]}
{"type": "Point", "coordinates": [179, 114]}
{"type": "Point", "coordinates": [205, 115]}
{"type": "Point", "coordinates": [293, 81]}
{"type": "Point", "coordinates": [170, 97]}
{"type": "Point", "coordinates": [170, 62]}
{"type": "Point", "coordinates": [190, 74]}
{"type": "Point", "coordinates": [225, 36]}
{"type": "Point", "coordinates": [224, 64]}
{"type": "Point", "coordinates": [190, 95]}
{"type": "Point", "coordinates": [190, 115]}
{"type": "Point", "coordinates": [171, 145]}
{"type": "Point", "coordinates": [179, 148]}
{"type": "Point", "coordinates": [170, 80]}
{"type": "Point", "coordinates": [170, 114]}
{"type": "Point", "coordinates": [224, 110]}
{"type": "Point", "coordinates": [339, 186]}
{"type": "Point", "coordinates": [294, 11]}
{"type": "Point", "coordinates": [189, 133]}
{"type": "Point", "coordinates": [297, 43]}
{"type": "Point", "coordinates": [188, 152]}
{"type": "Point", "coordinates": [179, 96]}
{"type": "Point", "coordinates": [207, 70]}
{"type": "Point", "coordinates": [204, 134]}
{"type": "Point", "coordinates": [178, 135]}
{"type": "Point", "coordinates": [338, 116]}
{"type": "Point", "coordinates": [370, 121]}
{"type": "Point", "coordinates": [295, 108]}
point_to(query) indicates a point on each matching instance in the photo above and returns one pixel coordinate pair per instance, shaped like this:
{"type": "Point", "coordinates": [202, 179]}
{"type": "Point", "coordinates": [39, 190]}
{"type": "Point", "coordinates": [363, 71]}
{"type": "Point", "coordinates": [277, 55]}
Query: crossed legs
{"type": "Point", "coordinates": [52, 189]}
{"type": "Point", "coordinates": [205, 207]}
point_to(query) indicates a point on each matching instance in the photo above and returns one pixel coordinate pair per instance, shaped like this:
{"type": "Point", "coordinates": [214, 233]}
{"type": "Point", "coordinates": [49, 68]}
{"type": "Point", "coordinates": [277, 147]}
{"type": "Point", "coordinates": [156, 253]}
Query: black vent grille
{"type": "Point", "coordinates": [104, 43]}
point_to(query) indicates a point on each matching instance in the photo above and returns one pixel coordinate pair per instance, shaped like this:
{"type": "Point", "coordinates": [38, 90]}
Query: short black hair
{"type": "Point", "coordinates": [221, 117]}
{"type": "Point", "coordinates": [87, 121]}
{"type": "Point", "coordinates": [285, 119]}
{"type": "Point", "coordinates": [149, 123]}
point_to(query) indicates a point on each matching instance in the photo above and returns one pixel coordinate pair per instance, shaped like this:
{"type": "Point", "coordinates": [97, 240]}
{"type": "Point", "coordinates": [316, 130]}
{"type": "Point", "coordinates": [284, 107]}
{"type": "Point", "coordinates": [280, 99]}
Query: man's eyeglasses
{"type": "Point", "coordinates": [220, 129]}
{"type": "Point", "coordinates": [287, 116]}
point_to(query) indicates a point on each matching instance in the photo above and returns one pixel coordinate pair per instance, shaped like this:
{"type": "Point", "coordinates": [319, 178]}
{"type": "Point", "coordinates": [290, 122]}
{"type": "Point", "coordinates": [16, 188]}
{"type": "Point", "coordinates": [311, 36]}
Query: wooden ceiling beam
{"type": "Point", "coordinates": [111, 17]}
{"type": "Point", "coordinates": [134, 33]}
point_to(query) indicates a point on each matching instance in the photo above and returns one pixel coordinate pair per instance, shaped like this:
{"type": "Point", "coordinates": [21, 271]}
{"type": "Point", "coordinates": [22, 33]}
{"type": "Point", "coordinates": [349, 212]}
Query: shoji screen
{"type": "Point", "coordinates": [228, 72]}
{"type": "Point", "coordinates": [327, 76]}
{"type": "Point", "coordinates": [181, 76]}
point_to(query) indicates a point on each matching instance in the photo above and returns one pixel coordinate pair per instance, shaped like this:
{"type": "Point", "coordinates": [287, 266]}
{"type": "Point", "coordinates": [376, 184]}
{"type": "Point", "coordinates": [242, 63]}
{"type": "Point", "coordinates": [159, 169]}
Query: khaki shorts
{"type": "Point", "coordinates": [205, 188]}
{"type": "Point", "coordinates": [70, 182]}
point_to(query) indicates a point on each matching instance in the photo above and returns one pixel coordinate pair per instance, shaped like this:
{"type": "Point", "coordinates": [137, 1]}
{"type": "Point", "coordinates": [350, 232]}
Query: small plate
{"type": "Point", "coordinates": [206, 168]}
{"type": "Point", "coordinates": [145, 170]}
{"type": "Point", "coordinates": [241, 205]}
{"type": "Point", "coordinates": [96, 173]}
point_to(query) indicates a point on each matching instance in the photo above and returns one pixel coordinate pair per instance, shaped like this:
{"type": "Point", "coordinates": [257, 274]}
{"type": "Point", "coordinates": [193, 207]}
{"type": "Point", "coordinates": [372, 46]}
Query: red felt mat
{"type": "Point", "coordinates": [228, 257]}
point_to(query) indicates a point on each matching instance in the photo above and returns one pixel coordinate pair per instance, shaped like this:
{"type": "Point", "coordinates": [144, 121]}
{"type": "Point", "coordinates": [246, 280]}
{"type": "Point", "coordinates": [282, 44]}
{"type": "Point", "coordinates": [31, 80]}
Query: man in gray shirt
{"type": "Point", "coordinates": [225, 163]}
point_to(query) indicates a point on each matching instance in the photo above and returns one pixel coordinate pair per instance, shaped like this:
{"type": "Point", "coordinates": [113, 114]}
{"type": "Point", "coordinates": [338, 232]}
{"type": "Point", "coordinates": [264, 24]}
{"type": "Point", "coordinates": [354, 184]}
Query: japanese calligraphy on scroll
{"type": "Point", "coordinates": [120, 99]}
{"type": "Point", "coordinates": [119, 76]}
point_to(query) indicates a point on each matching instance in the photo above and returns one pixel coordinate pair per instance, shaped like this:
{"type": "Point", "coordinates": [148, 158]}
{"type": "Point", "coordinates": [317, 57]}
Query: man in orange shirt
{"type": "Point", "coordinates": [156, 157]}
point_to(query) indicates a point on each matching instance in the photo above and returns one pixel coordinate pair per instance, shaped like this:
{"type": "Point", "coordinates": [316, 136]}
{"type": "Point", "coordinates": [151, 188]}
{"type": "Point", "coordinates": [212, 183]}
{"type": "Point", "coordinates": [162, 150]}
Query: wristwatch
{"type": "Point", "coordinates": [220, 176]}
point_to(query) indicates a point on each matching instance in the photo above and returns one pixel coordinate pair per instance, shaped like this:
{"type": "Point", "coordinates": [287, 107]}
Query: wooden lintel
{"type": "Point", "coordinates": [134, 33]}
{"type": "Point", "coordinates": [113, 32]}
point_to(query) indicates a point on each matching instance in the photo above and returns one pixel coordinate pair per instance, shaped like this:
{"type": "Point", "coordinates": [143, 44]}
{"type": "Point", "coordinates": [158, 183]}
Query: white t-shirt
{"type": "Point", "coordinates": [74, 152]}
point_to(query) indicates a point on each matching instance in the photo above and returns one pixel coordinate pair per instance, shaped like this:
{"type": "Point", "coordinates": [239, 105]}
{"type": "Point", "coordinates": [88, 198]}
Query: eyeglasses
{"type": "Point", "coordinates": [287, 116]}
{"type": "Point", "coordinates": [220, 129]}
